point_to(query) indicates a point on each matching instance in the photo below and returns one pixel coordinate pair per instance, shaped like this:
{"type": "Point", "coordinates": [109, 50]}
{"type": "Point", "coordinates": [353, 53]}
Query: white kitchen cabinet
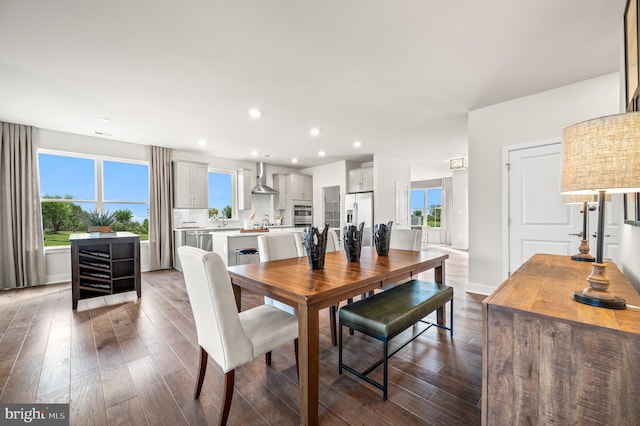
{"type": "Point", "coordinates": [245, 183]}
{"type": "Point", "coordinates": [280, 185]}
{"type": "Point", "coordinates": [307, 188]}
{"type": "Point", "coordinates": [300, 187]}
{"type": "Point", "coordinates": [292, 187]}
{"type": "Point", "coordinates": [190, 185]}
{"type": "Point", "coordinates": [361, 180]}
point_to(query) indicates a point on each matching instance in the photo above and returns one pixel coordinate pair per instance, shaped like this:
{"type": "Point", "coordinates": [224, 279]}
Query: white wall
{"type": "Point", "coordinates": [387, 171]}
{"type": "Point", "coordinates": [532, 118]}
{"type": "Point", "coordinates": [460, 214]}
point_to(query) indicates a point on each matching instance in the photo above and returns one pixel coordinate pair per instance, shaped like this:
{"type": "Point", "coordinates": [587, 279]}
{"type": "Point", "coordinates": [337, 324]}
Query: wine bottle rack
{"type": "Point", "coordinates": [103, 266]}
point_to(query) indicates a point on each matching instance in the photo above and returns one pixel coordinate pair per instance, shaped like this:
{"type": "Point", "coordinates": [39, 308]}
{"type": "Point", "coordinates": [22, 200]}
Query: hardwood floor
{"type": "Point", "coordinates": [134, 363]}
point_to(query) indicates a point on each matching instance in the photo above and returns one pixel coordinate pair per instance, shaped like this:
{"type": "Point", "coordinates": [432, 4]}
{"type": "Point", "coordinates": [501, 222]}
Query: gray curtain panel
{"type": "Point", "coordinates": [447, 209]}
{"type": "Point", "coordinates": [160, 213]}
{"type": "Point", "coordinates": [21, 238]}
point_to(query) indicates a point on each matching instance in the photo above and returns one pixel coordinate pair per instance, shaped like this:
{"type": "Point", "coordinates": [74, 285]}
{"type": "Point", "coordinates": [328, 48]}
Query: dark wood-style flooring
{"type": "Point", "coordinates": [134, 362]}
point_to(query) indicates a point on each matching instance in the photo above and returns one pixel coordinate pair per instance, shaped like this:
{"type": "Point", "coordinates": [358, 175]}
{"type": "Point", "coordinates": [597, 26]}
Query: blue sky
{"type": "Point", "coordinates": [75, 176]}
{"type": "Point", "coordinates": [219, 190]}
{"type": "Point", "coordinates": [434, 196]}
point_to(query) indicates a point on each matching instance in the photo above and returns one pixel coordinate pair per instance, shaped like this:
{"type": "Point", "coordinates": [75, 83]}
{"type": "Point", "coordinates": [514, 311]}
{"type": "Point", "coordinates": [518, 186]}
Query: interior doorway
{"type": "Point", "coordinates": [331, 209]}
{"type": "Point", "coordinates": [537, 219]}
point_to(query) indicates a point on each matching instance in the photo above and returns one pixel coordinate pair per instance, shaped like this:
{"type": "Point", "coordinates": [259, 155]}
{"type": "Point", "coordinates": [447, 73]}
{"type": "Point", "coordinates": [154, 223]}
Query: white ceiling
{"type": "Point", "coordinates": [398, 75]}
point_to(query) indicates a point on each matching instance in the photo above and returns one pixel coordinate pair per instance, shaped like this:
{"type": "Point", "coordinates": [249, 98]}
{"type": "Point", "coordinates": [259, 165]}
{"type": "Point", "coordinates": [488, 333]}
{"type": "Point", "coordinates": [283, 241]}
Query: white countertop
{"type": "Point", "coordinates": [272, 230]}
{"type": "Point", "coordinates": [209, 228]}
{"type": "Point", "coordinates": [227, 228]}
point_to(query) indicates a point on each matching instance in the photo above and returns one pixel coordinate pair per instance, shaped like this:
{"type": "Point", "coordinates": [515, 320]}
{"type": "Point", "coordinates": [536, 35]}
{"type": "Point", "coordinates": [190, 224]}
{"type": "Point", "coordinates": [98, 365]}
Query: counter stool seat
{"type": "Point", "coordinates": [245, 251]}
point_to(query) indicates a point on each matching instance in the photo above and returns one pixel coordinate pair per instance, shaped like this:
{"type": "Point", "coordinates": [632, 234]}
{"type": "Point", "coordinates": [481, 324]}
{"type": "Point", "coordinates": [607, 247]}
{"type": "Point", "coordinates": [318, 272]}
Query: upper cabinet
{"type": "Point", "coordinates": [190, 185]}
{"type": "Point", "coordinates": [361, 180]}
{"type": "Point", "coordinates": [245, 182]}
{"type": "Point", "coordinates": [292, 187]}
{"type": "Point", "coordinates": [300, 188]}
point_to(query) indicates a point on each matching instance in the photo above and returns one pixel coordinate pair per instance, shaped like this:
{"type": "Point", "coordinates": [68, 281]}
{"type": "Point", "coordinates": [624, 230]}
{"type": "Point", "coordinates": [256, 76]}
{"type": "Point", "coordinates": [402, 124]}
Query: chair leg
{"type": "Point", "coordinates": [332, 320]}
{"type": "Point", "coordinates": [267, 358]}
{"type": "Point", "coordinates": [202, 368]}
{"type": "Point", "coordinates": [229, 379]}
{"type": "Point", "coordinates": [295, 348]}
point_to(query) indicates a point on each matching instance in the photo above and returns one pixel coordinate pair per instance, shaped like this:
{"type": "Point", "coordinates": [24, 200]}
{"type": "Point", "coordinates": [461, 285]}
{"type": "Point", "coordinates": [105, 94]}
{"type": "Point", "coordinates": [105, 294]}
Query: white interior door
{"type": "Point", "coordinates": [538, 220]}
{"type": "Point", "coordinates": [402, 206]}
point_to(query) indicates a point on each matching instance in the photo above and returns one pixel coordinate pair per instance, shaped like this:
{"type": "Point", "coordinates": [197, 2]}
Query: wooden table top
{"type": "Point", "coordinates": [292, 280]}
{"type": "Point", "coordinates": [545, 284]}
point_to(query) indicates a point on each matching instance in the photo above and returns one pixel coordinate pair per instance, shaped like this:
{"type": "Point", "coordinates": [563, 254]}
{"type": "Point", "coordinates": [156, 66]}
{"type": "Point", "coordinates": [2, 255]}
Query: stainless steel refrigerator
{"type": "Point", "coordinates": [359, 208]}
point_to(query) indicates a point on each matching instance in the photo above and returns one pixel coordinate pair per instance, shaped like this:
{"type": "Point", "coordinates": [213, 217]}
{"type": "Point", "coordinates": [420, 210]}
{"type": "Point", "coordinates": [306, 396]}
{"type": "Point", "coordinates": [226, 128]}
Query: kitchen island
{"type": "Point", "coordinates": [225, 243]}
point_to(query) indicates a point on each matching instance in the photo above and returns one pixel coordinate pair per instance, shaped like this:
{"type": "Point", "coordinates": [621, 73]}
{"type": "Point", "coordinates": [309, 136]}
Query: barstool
{"type": "Point", "coordinates": [245, 252]}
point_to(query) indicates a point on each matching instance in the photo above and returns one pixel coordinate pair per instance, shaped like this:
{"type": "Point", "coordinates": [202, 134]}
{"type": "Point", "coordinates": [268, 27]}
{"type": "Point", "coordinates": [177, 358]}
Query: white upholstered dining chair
{"type": "Point", "coordinates": [277, 247]}
{"type": "Point", "coordinates": [406, 239]}
{"type": "Point", "coordinates": [286, 246]}
{"type": "Point", "coordinates": [230, 338]}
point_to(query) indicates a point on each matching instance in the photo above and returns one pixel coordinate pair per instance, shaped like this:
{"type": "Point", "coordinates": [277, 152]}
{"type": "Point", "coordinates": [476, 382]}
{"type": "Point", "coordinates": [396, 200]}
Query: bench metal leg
{"type": "Point", "coordinates": [384, 370]}
{"type": "Point", "coordinates": [340, 349]}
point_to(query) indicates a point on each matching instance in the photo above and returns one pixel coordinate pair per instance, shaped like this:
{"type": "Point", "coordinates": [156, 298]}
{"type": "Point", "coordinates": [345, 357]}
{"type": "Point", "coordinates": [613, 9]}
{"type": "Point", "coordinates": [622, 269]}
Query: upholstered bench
{"type": "Point", "coordinates": [387, 314]}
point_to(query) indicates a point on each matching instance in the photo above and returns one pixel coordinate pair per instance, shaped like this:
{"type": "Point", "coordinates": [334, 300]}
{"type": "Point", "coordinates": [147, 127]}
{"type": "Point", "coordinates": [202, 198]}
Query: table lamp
{"type": "Point", "coordinates": [601, 156]}
{"type": "Point", "coordinates": [584, 199]}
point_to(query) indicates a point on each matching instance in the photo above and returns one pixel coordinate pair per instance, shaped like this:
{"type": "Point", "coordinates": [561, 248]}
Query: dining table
{"type": "Point", "coordinates": [292, 281]}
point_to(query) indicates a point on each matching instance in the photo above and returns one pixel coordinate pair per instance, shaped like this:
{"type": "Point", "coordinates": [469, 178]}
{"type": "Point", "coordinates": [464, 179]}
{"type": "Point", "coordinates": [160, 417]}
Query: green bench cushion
{"type": "Point", "coordinates": [387, 314]}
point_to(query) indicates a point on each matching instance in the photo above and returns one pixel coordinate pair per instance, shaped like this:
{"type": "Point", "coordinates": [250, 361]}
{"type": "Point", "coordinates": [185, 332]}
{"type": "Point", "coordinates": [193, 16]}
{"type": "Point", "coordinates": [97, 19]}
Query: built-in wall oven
{"type": "Point", "coordinates": [302, 215]}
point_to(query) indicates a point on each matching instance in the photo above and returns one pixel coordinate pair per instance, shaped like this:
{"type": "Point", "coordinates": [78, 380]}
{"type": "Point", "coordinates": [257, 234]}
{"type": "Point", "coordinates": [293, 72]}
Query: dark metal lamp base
{"type": "Point", "coordinates": [617, 303]}
{"type": "Point", "coordinates": [583, 258]}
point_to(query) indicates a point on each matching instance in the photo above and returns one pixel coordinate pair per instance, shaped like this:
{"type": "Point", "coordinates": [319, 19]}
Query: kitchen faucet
{"type": "Point", "coordinates": [265, 221]}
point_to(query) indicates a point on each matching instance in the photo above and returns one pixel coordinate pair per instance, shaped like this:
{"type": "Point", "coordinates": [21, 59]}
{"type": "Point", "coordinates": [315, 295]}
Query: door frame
{"type": "Point", "coordinates": [506, 246]}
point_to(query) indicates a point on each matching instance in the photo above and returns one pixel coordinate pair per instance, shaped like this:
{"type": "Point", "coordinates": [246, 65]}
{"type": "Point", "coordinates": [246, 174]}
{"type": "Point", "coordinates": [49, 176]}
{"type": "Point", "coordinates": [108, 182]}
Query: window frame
{"type": "Point", "coordinates": [425, 209]}
{"type": "Point", "coordinates": [98, 160]}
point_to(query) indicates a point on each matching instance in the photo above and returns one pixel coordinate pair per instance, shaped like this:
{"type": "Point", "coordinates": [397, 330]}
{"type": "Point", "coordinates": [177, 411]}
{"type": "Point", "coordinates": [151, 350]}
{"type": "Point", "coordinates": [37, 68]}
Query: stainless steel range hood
{"type": "Point", "coordinates": [261, 184]}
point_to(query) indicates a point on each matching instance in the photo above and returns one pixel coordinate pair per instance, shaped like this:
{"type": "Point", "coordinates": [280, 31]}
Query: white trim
{"type": "Point", "coordinates": [56, 279]}
{"type": "Point", "coordinates": [482, 289]}
{"type": "Point", "coordinates": [506, 249]}
{"type": "Point", "coordinates": [235, 211]}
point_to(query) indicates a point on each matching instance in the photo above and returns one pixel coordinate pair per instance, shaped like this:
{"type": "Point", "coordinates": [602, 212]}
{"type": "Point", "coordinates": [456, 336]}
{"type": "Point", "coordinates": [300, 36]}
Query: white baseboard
{"type": "Point", "coordinates": [55, 279]}
{"type": "Point", "coordinates": [480, 289]}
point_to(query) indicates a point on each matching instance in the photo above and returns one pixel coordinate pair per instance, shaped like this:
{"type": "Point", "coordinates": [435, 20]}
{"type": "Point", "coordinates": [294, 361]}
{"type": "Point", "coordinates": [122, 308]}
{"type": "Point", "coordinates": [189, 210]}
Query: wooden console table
{"type": "Point", "coordinates": [550, 360]}
{"type": "Point", "coordinates": [104, 265]}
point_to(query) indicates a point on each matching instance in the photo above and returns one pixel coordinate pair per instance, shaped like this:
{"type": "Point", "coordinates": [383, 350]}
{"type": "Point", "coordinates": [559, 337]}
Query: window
{"type": "Point", "coordinates": [426, 206]}
{"type": "Point", "coordinates": [221, 184]}
{"type": "Point", "coordinates": [73, 185]}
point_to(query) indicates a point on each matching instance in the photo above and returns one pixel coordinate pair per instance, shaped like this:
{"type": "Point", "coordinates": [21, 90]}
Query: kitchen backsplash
{"type": "Point", "coordinates": [263, 206]}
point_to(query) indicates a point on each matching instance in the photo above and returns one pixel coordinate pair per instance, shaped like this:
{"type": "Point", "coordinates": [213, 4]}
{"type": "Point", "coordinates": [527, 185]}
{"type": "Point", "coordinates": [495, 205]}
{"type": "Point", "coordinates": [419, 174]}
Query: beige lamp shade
{"type": "Point", "coordinates": [602, 154]}
{"type": "Point", "coordinates": [579, 198]}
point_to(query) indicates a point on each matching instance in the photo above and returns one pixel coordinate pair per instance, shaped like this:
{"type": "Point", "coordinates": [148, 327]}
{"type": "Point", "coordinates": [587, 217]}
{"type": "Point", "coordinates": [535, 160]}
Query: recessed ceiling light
{"type": "Point", "coordinates": [254, 153]}
{"type": "Point", "coordinates": [294, 160]}
{"type": "Point", "coordinates": [105, 119]}
{"type": "Point", "coordinates": [357, 144]}
{"type": "Point", "coordinates": [255, 113]}
{"type": "Point", "coordinates": [322, 153]}
{"type": "Point", "coordinates": [314, 131]}
{"type": "Point", "coordinates": [202, 142]}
